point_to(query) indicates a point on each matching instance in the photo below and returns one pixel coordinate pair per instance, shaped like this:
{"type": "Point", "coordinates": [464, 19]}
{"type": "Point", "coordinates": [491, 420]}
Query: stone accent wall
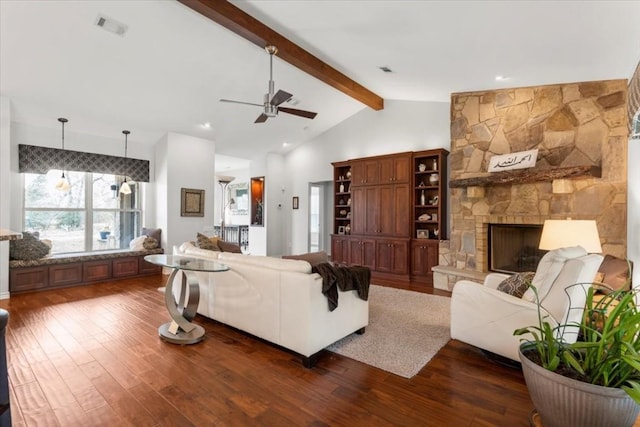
{"type": "Point", "coordinates": [573, 124]}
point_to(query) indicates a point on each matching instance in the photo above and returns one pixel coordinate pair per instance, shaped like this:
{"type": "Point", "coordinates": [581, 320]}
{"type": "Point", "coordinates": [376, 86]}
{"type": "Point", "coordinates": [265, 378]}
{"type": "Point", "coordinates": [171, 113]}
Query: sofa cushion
{"type": "Point", "coordinates": [206, 242]}
{"type": "Point", "coordinates": [313, 258]}
{"type": "Point", "coordinates": [229, 247]}
{"type": "Point", "coordinates": [517, 284]}
{"type": "Point", "coordinates": [293, 265]}
{"type": "Point", "coordinates": [189, 249]}
{"type": "Point", "coordinates": [615, 273]}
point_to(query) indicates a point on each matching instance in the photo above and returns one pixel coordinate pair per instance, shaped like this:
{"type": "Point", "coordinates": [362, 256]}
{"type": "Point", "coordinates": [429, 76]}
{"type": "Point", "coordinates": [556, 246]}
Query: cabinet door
{"type": "Point", "coordinates": [339, 250]}
{"type": "Point", "coordinates": [26, 279]}
{"type": "Point", "coordinates": [369, 253]}
{"type": "Point", "coordinates": [96, 270]}
{"type": "Point", "coordinates": [424, 255]}
{"type": "Point", "coordinates": [65, 274]}
{"type": "Point", "coordinates": [365, 210]}
{"type": "Point", "coordinates": [394, 217]}
{"type": "Point", "coordinates": [365, 172]}
{"type": "Point", "coordinates": [392, 256]}
{"type": "Point", "coordinates": [127, 266]}
{"type": "Point", "coordinates": [395, 169]}
{"type": "Point", "coordinates": [356, 255]}
{"type": "Point", "coordinates": [145, 267]}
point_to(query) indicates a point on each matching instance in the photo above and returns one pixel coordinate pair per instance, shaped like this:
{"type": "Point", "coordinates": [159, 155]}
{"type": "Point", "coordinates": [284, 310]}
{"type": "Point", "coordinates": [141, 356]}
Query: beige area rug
{"type": "Point", "coordinates": [406, 329]}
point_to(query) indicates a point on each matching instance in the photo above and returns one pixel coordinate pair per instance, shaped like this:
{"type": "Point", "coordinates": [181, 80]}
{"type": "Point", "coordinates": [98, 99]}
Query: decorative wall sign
{"type": "Point", "coordinates": [519, 160]}
{"type": "Point", "coordinates": [192, 202]}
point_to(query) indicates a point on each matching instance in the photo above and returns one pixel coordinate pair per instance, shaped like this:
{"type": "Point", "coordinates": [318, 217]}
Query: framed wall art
{"type": "Point", "coordinates": [192, 202]}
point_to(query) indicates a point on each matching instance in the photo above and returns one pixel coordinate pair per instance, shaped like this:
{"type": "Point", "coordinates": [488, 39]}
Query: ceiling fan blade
{"type": "Point", "coordinates": [280, 97]}
{"type": "Point", "coordinates": [261, 118]}
{"type": "Point", "coordinates": [295, 112]}
{"type": "Point", "coordinates": [241, 102]}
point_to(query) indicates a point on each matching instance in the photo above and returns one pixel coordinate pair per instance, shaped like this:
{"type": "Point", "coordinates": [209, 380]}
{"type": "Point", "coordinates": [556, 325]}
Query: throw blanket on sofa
{"type": "Point", "coordinates": [345, 278]}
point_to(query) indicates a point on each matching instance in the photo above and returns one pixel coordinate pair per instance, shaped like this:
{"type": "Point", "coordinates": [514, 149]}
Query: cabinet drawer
{"type": "Point", "coordinates": [127, 266]}
{"type": "Point", "coordinates": [25, 279]}
{"type": "Point", "coordinates": [96, 270]}
{"type": "Point", "coordinates": [65, 274]}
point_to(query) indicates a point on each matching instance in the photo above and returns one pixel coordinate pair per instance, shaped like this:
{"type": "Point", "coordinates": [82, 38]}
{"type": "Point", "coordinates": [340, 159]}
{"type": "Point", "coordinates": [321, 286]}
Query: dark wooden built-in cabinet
{"type": "Point", "coordinates": [390, 213]}
{"type": "Point", "coordinates": [49, 276]}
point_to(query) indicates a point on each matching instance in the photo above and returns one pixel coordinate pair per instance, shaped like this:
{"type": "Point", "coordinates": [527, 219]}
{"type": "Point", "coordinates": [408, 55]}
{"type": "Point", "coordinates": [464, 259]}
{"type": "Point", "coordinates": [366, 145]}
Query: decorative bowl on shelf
{"type": "Point", "coordinates": [424, 217]}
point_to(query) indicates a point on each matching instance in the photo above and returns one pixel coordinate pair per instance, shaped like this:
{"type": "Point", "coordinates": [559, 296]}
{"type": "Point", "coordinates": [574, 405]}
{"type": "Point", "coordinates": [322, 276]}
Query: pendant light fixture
{"type": "Point", "coordinates": [124, 188]}
{"type": "Point", "coordinates": [63, 183]}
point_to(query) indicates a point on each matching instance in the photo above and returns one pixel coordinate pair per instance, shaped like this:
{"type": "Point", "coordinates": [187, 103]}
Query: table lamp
{"type": "Point", "coordinates": [562, 233]}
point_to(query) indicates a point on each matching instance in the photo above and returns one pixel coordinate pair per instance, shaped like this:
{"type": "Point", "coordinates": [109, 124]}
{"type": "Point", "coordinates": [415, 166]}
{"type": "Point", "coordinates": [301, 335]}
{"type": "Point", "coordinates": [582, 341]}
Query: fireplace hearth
{"type": "Point", "coordinates": [513, 248]}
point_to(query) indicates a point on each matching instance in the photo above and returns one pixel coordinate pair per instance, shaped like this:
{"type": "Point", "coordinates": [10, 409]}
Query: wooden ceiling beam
{"type": "Point", "coordinates": [231, 17]}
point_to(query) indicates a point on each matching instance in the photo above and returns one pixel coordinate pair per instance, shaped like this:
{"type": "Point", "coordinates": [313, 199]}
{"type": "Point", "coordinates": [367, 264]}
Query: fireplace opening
{"type": "Point", "coordinates": [513, 248]}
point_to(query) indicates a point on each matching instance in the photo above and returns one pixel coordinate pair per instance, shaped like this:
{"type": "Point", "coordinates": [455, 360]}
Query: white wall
{"type": "Point", "coordinates": [184, 162]}
{"type": "Point", "coordinates": [401, 126]}
{"type": "Point", "coordinates": [5, 191]}
{"type": "Point", "coordinates": [633, 210]}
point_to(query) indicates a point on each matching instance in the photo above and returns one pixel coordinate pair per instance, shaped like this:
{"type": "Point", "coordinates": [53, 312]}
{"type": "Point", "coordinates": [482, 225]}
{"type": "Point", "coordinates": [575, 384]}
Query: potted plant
{"type": "Point", "coordinates": [594, 381]}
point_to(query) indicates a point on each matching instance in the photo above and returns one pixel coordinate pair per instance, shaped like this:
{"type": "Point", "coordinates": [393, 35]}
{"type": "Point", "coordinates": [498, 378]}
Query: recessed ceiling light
{"type": "Point", "coordinates": [293, 101]}
{"type": "Point", "coordinates": [385, 69]}
{"type": "Point", "coordinates": [499, 78]}
{"type": "Point", "coordinates": [285, 144]}
{"type": "Point", "coordinates": [206, 125]}
{"type": "Point", "coordinates": [111, 25]}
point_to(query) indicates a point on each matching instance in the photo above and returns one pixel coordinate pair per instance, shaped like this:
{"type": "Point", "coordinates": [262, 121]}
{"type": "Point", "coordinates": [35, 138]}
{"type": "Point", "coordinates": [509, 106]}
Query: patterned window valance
{"type": "Point", "coordinates": [36, 159]}
{"type": "Point", "coordinates": [634, 97]}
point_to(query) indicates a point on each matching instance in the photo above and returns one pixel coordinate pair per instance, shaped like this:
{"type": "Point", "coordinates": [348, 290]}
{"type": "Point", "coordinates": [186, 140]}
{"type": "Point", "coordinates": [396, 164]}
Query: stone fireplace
{"type": "Point", "coordinates": [581, 133]}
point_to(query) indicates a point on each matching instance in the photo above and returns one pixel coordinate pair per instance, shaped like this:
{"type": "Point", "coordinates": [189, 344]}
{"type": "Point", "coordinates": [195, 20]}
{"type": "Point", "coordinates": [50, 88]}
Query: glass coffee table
{"type": "Point", "coordinates": [181, 330]}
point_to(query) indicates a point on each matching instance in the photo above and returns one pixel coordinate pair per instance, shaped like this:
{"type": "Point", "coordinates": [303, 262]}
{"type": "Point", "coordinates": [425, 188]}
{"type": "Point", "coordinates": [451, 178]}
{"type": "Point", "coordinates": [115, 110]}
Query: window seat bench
{"type": "Point", "coordinates": [57, 271]}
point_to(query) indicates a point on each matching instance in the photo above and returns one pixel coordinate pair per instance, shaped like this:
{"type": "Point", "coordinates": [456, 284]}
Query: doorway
{"type": "Point", "coordinates": [319, 215]}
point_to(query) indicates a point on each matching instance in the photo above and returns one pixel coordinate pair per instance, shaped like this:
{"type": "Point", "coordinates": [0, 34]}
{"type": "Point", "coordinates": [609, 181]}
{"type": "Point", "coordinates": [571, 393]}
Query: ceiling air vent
{"type": "Point", "coordinates": [111, 25]}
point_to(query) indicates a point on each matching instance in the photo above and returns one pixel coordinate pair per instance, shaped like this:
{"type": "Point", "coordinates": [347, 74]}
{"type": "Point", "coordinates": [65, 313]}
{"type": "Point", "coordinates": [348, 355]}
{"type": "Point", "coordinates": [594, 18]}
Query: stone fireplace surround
{"type": "Point", "coordinates": [577, 124]}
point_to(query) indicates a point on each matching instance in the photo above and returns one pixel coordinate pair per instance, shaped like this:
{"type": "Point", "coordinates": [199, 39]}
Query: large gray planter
{"type": "Point", "coordinates": [565, 402]}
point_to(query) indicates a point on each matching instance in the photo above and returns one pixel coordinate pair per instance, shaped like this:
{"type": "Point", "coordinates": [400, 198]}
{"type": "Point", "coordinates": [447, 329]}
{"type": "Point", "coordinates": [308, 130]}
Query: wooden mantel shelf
{"type": "Point", "coordinates": [526, 175]}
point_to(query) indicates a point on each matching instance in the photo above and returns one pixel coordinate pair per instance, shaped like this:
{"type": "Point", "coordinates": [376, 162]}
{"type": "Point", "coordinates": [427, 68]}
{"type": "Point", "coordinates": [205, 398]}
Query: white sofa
{"type": "Point", "coordinates": [278, 300]}
{"type": "Point", "coordinates": [486, 318]}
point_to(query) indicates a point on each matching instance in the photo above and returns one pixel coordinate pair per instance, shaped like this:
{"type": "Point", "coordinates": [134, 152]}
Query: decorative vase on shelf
{"type": "Point", "coordinates": [422, 167]}
{"type": "Point", "coordinates": [349, 201]}
{"type": "Point", "coordinates": [341, 188]}
{"type": "Point", "coordinates": [435, 165]}
{"type": "Point", "coordinates": [349, 174]}
{"type": "Point", "coordinates": [423, 200]}
{"type": "Point", "coordinates": [347, 229]}
{"type": "Point", "coordinates": [434, 178]}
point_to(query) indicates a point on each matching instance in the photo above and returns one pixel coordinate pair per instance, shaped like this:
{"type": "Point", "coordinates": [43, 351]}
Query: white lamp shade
{"type": "Point", "coordinates": [63, 184]}
{"type": "Point", "coordinates": [563, 233]}
{"type": "Point", "coordinates": [125, 189]}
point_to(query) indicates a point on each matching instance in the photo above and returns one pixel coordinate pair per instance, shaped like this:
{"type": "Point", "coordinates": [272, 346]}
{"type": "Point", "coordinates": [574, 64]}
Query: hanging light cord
{"type": "Point", "coordinates": [64, 163]}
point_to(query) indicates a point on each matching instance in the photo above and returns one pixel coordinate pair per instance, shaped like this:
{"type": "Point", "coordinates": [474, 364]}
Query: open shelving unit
{"type": "Point", "coordinates": [342, 199]}
{"type": "Point", "coordinates": [429, 197]}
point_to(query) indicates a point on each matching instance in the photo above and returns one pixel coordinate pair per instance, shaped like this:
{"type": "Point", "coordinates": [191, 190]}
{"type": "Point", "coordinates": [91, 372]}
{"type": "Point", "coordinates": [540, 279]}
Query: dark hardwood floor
{"type": "Point", "coordinates": [91, 356]}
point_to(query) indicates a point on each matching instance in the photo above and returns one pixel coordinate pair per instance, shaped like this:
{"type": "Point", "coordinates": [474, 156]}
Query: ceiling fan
{"type": "Point", "coordinates": [272, 101]}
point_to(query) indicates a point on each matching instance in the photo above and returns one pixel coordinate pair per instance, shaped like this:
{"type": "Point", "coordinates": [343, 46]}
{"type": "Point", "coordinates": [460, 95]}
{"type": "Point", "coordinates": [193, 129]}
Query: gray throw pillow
{"type": "Point", "coordinates": [517, 284]}
{"type": "Point", "coordinates": [156, 233]}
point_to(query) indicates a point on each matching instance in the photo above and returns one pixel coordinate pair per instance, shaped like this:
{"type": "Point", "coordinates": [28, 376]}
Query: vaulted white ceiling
{"type": "Point", "coordinates": [167, 73]}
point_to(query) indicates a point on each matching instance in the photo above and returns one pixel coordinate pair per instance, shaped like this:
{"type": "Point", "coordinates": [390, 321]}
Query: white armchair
{"type": "Point", "coordinates": [485, 317]}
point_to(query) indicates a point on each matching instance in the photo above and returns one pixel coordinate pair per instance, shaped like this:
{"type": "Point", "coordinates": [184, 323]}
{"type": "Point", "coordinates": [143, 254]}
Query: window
{"type": "Point", "coordinates": [635, 128]}
{"type": "Point", "coordinates": [91, 216]}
